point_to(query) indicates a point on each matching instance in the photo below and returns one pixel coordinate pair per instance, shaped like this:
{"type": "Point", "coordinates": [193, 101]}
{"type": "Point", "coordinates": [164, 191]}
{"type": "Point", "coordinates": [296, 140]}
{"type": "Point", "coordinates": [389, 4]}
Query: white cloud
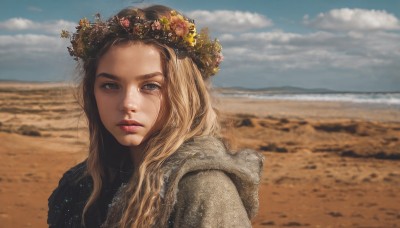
{"type": "Point", "coordinates": [344, 61]}
{"type": "Point", "coordinates": [34, 57]}
{"type": "Point", "coordinates": [346, 19]}
{"type": "Point", "coordinates": [17, 24]}
{"type": "Point", "coordinates": [55, 27]}
{"type": "Point", "coordinates": [30, 45]}
{"type": "Point", "coordinates": [23, 24]}
{"type": "Point", "coordinates": [229, 21]}
{"type": "Point", "coordinates": [323, 50]}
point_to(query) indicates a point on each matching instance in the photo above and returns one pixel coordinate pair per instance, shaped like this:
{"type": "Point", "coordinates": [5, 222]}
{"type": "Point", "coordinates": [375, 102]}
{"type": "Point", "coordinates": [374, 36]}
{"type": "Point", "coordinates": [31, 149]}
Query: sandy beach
{"type": "Point", "coordinates": [327, 164]}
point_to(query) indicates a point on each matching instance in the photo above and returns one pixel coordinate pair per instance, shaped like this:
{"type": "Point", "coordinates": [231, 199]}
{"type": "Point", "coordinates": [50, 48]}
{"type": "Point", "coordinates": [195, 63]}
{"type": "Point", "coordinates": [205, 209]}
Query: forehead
{"type": "Point", "coordinates": [129, 59]}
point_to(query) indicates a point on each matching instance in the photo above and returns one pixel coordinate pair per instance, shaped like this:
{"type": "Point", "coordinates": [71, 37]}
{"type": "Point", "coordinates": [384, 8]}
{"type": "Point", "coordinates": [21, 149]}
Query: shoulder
{"type": "Point", "coordinates": [212, 186]}
{"type": "Point", "coordinates": [213, 182]}
{"type": "Point", "coordinates": [69, 197]}
{"type": "Point", "coordinates": [199, 159]}
{"type": "Point", "coordinates": [203, 176]}
{"type": "Point", "coordinates": [213, 195]}
{"type": "Point", "coordinates": [73, 174]}
{"type": "Point", "coordinates": [70, 179]}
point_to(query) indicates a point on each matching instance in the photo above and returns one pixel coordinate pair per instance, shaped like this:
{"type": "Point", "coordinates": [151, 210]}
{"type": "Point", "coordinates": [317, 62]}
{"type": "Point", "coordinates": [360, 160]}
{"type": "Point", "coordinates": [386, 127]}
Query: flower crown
{"type": "Point", "coordinates": [176, 31]}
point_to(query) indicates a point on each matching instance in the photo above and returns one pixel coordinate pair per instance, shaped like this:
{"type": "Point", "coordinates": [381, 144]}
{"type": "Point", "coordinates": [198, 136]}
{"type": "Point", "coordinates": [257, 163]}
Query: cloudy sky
{"type": "Point", "coordinates": [342, 45]}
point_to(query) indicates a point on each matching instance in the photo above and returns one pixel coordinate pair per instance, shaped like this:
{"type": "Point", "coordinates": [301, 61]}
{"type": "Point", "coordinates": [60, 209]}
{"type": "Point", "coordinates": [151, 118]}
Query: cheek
{"type": "Point", "coordinates": [98, 99]}
{"type": "Point", "coordinates": [103, 105]}
{"type": "Point", "coordinates": [153, 106]}
{"type": "Point", "coordinates": [162, 110]}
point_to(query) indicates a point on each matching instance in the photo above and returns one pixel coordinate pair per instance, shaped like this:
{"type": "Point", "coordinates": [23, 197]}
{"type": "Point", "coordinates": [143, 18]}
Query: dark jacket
{"type": "Point", "coordinates": [204, 186]}
{"type": "Point", "coordinates": [67, 201]}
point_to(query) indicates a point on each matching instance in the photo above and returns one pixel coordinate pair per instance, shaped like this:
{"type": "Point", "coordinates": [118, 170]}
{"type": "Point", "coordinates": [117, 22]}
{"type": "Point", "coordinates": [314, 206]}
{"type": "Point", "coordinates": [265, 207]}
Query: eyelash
{"type": "Point", "coordinates": [115, 86]}
{"type": "Point", "coordinates": [154, 86]}
{"type": "Point", "coordinates": [108, 84]}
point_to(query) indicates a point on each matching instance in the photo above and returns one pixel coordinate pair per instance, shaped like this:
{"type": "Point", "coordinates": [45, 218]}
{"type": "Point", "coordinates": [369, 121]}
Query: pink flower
{"type": "Point", "coordinates": [124, 22]}
{"type": "Point", "coordinates": [179, 25]}
{"type": "Point", "coordinates": [156, 25]}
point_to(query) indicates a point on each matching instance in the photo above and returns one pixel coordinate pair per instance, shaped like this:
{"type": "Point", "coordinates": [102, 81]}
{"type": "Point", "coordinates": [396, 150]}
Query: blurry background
{"type": "Point", "coordinates": [313, 85]}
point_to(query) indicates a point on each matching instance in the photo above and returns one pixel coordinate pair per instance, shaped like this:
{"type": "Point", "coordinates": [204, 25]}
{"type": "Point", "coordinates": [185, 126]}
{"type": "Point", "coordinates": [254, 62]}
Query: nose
{"type": "Point", "coordinates": [130, 100]}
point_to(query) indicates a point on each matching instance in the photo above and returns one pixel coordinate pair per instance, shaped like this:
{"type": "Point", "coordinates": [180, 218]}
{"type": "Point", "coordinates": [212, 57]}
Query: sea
{"type": "Point", "coordinates": [378, 98]}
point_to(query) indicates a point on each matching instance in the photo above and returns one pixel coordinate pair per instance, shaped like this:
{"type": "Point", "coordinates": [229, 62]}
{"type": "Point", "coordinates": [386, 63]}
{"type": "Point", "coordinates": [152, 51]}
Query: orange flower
{"type": "Point", "coordinates": [179, 25]}
{"type": "Point", "coordinates": [84, 23]}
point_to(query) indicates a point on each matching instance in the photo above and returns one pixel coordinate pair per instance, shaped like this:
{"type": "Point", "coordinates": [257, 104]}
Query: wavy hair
{"type": "Point", "coordinates": [189, 113]}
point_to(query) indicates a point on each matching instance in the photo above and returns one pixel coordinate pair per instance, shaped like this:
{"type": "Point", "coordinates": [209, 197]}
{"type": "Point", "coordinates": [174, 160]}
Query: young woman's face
{"type": "Point", "coordinates": [128, 89]}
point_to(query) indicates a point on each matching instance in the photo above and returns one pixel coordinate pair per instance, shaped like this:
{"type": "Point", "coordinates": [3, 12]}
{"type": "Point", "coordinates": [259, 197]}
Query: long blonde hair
{"type": "Point", "coordinates": [189, 114]}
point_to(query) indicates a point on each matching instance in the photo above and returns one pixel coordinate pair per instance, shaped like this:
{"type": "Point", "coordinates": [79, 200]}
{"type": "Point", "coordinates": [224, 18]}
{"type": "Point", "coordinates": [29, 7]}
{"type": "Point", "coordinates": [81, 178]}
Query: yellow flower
{"type": "Point", "coordinates": [165, 23]}
{"type": "Point", "coordinates": [190, 38]}
{"type": "Point", "coordinates": [84, 23]}
{"type": "Point", "coordinates": [215, 71]}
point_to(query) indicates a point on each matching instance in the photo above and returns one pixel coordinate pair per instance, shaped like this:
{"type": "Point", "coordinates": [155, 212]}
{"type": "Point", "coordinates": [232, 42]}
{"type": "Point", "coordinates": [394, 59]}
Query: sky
{"type": "Point", "coordinates": [344, 45]}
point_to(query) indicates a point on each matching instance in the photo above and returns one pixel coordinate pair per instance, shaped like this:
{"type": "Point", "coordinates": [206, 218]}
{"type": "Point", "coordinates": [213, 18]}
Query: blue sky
{"type": "Point", "coordinates": [341, 45]}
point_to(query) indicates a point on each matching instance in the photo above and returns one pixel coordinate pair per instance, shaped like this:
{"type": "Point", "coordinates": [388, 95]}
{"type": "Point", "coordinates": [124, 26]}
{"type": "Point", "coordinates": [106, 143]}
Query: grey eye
{"type": "Point", "coordinates": [110, 86]}
{"type": "Point", "coordinates": [151, 86]}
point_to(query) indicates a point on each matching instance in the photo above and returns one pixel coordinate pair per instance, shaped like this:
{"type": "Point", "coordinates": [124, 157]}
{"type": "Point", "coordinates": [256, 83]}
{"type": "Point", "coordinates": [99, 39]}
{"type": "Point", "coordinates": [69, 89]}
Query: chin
{"type": "Point", "coordinates": [130, 141]}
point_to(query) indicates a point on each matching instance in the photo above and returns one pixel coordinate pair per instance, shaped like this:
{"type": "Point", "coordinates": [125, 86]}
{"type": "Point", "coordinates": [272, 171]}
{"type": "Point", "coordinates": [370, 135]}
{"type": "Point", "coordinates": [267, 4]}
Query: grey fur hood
{"type": "Point", "coordinates": [195, 156]}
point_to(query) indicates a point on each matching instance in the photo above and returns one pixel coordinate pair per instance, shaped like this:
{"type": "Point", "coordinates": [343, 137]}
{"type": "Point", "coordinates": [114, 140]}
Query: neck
{"type": "Point", "coordinates": [136, 153]}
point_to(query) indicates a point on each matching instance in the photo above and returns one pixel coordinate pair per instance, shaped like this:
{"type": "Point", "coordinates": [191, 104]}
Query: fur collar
{"type": "Point", "coordinates": [208, 153]}
{"type": "Point", "coordinates": [202, 154]}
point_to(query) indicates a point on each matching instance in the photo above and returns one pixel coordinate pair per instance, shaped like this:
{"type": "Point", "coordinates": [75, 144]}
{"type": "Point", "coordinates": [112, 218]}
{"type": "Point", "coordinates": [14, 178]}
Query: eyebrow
{"type": "Point", "coordinates": [140, 77]}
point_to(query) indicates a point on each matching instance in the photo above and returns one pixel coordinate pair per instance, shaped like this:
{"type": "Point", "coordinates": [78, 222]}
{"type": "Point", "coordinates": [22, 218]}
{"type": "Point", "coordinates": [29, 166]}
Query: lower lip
{"type": "Point", "coordinates": [130, 128]}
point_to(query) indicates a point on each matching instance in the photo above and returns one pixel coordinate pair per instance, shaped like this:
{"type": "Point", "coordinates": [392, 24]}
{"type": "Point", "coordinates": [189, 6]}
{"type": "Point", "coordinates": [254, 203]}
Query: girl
{"type": "Point", "coordinates": [155, 159]}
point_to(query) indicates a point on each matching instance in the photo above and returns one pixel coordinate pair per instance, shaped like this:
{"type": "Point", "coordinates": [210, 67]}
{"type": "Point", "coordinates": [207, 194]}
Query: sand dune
{"type": "Point", "coordinates": [327, 164]}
